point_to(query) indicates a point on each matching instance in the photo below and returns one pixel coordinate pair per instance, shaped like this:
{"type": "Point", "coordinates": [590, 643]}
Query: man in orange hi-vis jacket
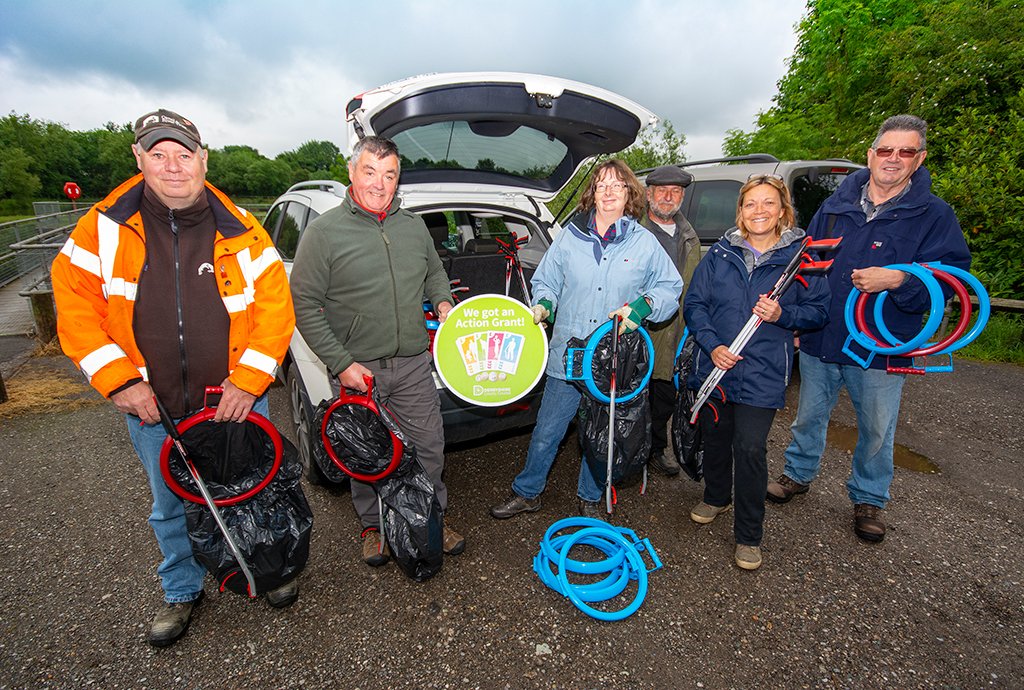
{"type": "Point", "coordinates": [163, 288]}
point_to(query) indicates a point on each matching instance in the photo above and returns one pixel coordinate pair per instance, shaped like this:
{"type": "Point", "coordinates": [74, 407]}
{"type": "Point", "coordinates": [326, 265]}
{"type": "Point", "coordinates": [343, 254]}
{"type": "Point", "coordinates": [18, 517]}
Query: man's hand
{"type": "Point", "coordinates": [235, 404]}
{"type": "Point", "coordinates": [137, 400]}
{"type": "Point", "coordinates": [876, 279]}
{"type": "Point", "coordinates": [723, 359]}
{"type": "Point", "coordinates": [540, 313]}
{"type": "Point", "coordinates": [352, 378]}
{"type": "Point", "coordinates": [442, 311]}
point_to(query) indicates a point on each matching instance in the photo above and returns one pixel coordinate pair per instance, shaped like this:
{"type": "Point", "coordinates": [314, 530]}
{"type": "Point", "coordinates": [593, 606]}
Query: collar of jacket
{"type": "Point", "coordinates": [581, 221]}
{"type": "Point", "coordinates": [357, 208]}
{"type": "Point", "coordinates": [684, 231]}
{"type": "Point", "coordinates": [846, 200]}
{"type": "Point", "coordinates": [125, 201]}
{"type": "Point", "coordinates": [732, 244]}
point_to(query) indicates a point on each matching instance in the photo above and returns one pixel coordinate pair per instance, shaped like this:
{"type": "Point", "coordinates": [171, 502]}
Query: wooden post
{"type": "Point", "coordinates": [44, 313]}
{"type": "Point", "coordinates": [3, 390]}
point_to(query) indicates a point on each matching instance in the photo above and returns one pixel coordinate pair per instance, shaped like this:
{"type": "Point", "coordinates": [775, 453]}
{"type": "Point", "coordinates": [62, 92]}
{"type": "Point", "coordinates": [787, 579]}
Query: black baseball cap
{"type": "Point", "coordinates": [165, 124]}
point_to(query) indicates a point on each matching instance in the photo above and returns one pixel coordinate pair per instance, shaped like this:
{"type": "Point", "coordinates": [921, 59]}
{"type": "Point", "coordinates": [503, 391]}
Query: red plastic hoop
{"type": "Point", "coordinates": [205, 415]}
{"type": "Point", "coordinates": [365, 400]}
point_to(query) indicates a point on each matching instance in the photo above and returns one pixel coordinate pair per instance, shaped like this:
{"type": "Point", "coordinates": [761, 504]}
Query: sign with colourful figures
{"type": "Point", "coordinates": [489, 352]}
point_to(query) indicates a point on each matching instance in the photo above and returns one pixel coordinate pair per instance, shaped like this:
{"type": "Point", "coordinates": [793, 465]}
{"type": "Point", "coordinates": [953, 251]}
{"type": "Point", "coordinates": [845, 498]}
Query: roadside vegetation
{"type": "Point", "coordinates": [1001, 341]}
{"type": "Point", "coordinates": [959, 64]}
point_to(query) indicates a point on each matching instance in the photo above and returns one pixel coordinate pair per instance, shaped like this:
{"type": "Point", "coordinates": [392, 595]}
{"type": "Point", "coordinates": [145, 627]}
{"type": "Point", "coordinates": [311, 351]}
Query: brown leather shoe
{"type": "Point", "coordinates": [375, 553]}
{"type": "Point", "coordinates": [171, 622]}
{"type": "Point", "coordinates": [454, 543]}
{"type": "Point", "coordinates": [867, 522]}
{"type": "Point", "coordinates": [781, 490]}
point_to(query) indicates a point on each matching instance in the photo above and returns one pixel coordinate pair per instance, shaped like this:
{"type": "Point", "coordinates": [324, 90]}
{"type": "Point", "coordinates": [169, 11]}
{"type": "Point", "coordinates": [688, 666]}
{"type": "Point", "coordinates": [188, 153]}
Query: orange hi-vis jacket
{"type": "Point", "coordinates": [96, 277]}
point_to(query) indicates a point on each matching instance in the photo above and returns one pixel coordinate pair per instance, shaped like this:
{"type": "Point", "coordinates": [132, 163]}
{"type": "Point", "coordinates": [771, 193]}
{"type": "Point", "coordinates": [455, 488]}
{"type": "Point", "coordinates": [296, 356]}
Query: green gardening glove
{"type": "Point", "coordinates": [632, 314]}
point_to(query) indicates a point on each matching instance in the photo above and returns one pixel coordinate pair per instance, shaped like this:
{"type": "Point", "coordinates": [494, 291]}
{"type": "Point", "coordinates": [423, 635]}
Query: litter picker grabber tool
{"type": "Point", "coordinates": [510, 250]}
{"type": "Point", "coordinates": [611, 410]}
{"type": "Point", "coordinates": [172, 432]}
{"type": "Point", "coordinates": [800, 263]}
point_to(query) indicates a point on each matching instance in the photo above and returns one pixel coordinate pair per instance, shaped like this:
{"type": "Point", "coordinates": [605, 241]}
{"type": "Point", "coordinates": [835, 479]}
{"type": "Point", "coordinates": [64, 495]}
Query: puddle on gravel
{"type": "Point", "coordinates": [845, 437]}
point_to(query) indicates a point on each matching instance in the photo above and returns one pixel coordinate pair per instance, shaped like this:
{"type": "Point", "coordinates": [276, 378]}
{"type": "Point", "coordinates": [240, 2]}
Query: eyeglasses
{"type": "Point", "coordinates": [886, 151]}
{"type": "Point", "coordinates": [771, 179]}
{"type": "Point", "coordinates": [616, 187]}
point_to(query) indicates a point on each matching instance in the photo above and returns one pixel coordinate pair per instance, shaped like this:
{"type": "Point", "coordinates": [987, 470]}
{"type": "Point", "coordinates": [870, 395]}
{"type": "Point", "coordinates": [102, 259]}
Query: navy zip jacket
{"type": "Point", "coordinates": [719, 302]}
{"type": "Point", "coordinates": [920, 228]}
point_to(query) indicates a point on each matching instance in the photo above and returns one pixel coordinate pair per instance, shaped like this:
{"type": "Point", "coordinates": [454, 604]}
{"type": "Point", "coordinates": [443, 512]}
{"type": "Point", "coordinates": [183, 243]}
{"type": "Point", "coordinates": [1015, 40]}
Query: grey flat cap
{"type": "Point", "coordinates": [668, 175]}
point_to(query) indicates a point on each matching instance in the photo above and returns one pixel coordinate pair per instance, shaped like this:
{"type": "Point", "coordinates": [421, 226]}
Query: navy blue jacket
{"type": "Point", "coordinates": [920, 228]}
{"type": "Point", "coordinates": [718, 304]}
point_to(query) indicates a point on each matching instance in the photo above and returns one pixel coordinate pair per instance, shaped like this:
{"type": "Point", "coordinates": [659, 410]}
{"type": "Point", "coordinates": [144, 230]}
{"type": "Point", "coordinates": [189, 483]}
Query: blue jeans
{"type": "Point", "coordinates": [181, 576]}
{"type": "Point", "coordinates": [558, 406]}
{"type": "Point", "coordinates": [876, 400]}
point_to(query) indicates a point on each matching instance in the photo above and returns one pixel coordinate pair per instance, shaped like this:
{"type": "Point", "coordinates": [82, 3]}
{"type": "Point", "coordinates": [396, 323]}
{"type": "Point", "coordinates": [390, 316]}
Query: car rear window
{"type": "Point", "coordinates": [501, 147]}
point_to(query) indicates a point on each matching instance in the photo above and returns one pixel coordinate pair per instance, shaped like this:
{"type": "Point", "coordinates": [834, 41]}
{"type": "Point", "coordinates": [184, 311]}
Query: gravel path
{"type": "Point", "coordinates": [938, 604]}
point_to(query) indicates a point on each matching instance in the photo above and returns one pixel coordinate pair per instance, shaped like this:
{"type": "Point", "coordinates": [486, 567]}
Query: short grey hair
{"type": "Point", "coordinates": [380, 147]}
{"type": "Point", "coordinates": [904, 123]}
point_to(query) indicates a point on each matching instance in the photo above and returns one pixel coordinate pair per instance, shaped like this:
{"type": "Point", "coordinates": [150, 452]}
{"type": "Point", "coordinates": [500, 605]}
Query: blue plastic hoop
{"type": "Point", "coordinates": [928, 330]}
{"type": "Point", "coordinates": [588, 365]}
{"type": "Point", "coordinates": [637, 563]}
{"type": "Point", "coordinates": [679, 351]}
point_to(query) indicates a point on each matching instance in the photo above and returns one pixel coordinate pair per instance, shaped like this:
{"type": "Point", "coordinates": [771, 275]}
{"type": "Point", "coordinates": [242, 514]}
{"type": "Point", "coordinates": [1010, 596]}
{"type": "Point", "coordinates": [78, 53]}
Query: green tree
{"type": "Point", "coordinates": [16, 182]}
{"type": "Point", "coordinates": [662, 145]}
{"type": "Point", "coordinates": [956, 63]}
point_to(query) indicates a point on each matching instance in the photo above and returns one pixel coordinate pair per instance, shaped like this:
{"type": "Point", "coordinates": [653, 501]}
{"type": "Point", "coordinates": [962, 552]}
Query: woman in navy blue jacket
{"type": "Point", "coordinates": [729, 285]}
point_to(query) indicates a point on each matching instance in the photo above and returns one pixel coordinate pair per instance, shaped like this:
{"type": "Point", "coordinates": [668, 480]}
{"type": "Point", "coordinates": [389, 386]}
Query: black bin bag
{"type": "Point", "coordinates": [632, 445]}
{"type": "Point", "coordinates": [686, 440]}
{"type": "Point", "coordinates": [365, 440]}
{"type": "Point", "coordinates": [272, 528]}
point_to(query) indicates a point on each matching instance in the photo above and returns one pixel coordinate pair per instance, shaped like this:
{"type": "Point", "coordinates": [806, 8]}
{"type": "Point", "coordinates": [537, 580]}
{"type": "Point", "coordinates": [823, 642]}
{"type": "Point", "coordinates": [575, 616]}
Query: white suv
{"type": "Point", "coordinates": [481, 153]}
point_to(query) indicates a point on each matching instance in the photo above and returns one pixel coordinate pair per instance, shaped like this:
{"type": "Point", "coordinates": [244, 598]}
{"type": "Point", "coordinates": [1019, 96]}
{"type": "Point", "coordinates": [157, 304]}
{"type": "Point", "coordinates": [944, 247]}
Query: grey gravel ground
{"type": "Point", "coordinates": [938, 604]}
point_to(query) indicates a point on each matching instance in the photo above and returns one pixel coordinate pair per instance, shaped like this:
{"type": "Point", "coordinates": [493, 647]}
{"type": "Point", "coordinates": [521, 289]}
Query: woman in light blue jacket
{"type": "Point", "coordinates": [602, 263]}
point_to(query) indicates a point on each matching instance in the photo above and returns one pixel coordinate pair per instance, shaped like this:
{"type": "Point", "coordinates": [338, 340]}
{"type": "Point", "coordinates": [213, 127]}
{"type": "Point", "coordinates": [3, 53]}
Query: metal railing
{"type": "Point", "coordinates": [29, 244]}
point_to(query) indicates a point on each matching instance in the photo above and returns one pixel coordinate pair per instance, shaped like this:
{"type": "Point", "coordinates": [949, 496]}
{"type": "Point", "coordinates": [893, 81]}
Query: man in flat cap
{"type": "Point", "coordinates": [163, 288]}
{"type": "Point", "coordinates": [666, 187]}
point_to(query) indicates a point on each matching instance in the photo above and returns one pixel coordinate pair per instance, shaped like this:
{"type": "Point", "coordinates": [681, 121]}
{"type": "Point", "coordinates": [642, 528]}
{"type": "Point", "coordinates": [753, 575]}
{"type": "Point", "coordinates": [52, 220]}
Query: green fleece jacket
{"type": "Point", "coordinates": [358, 284]}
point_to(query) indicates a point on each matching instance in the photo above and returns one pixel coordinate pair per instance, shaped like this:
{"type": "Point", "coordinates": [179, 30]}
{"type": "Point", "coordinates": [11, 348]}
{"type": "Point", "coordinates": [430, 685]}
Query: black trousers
{"type": "Point", "coordinates": [663, 404]}
{"type": "Point", "coordinates": [736, 463]}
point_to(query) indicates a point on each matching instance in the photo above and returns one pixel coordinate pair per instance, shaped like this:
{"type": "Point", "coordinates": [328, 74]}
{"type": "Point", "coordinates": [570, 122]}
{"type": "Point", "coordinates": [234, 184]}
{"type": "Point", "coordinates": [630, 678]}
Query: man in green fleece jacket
{"type": "Point", "coordinates": [358, 282]}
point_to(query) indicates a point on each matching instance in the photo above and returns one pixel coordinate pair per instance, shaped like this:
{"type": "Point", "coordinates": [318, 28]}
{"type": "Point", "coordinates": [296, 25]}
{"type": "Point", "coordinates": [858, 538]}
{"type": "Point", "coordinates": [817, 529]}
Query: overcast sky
{"type": "Point", "coordinates": [276, 74]}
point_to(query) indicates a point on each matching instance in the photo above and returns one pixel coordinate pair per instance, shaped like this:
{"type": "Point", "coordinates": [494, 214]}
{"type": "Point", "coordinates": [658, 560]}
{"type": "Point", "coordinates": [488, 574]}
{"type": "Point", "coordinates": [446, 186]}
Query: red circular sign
{"type": "Point", "coordinates": [72, 190]}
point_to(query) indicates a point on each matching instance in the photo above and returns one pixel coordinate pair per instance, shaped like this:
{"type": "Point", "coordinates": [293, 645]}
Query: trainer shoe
{"type": "Point", "coordinates": [748, 557]}
{"type": "Point", "coordinates": [285, 595]}
{"type": "Point", "coordinates": [375, 553]}
{"type": "Point", "coordinates": [454, 543]}
{"type": "Point", "coordinates": [867, 522]}
{"type": "Point", "coordinates": [703, 514]}
{"type": "Point", "coordinates": [664, 463]}
{"type": "Point", "coordinates": [171, 622]}
{"type": "Point", "coordinates": [593, 509]}
{"type": "Point", "coordinates": [783, 489]}
{"type": "Point", "coordinates": [514, 505]}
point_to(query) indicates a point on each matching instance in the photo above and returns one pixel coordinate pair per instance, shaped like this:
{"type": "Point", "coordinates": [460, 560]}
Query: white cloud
{"type": "Point", "coordinates": [273, 75]}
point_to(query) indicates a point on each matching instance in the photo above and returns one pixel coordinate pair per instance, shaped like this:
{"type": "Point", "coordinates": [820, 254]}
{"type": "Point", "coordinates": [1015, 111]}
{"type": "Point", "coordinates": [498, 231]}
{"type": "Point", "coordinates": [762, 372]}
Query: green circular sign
{"type": "Point", "coordinates": [489, 352]}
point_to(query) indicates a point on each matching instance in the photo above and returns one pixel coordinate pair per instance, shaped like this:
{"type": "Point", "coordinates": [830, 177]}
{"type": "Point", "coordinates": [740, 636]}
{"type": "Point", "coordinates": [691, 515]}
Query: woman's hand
{"type": "Point", "coordinates": [723, 359]}
{"type": "Point", "coordinates": [767, 309]}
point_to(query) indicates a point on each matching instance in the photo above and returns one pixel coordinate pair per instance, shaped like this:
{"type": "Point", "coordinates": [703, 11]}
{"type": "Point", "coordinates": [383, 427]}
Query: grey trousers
{"type": "Point", "coordinates": [406, 387]}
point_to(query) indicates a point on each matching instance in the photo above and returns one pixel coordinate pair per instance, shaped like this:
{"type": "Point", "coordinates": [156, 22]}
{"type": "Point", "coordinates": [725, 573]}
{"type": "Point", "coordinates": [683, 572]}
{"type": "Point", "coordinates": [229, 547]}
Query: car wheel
{"type": "Point", "coordinates": [302, 422]}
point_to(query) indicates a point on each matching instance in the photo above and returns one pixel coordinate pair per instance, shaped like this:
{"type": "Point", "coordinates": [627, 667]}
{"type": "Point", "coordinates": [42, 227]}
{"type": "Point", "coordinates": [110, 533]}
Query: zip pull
{"type": "Point", "coordinates": [385, 236]}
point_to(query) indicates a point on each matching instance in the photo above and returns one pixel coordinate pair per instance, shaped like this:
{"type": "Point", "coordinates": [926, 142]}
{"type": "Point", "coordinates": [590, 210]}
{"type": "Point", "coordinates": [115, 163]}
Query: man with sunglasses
{"type": "Point", "coordinates": [886, 214]}
{"type": "Point", "coordinates": [666, 187]}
